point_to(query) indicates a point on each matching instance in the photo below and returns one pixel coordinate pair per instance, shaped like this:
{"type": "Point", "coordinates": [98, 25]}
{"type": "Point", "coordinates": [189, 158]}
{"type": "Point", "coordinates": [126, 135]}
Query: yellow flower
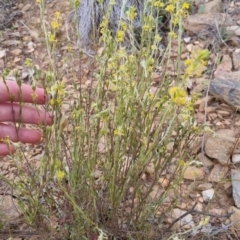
{"type": "Point", "coordinates": [188, 62]}
{"type": "Point", "coordinates": [172, 34]}
{"type": "Point", "coordinates": [34, 97]}
{"type": "Point", "coordinates": [170, 8]}
{"type": "Point", "coordinates": [39, 1]}
{"type": "Point", "coordinates": [178, 95]}
{"type": "Point", "coordinates": [157, 38]}
{"type": "Point", "coordinates": [185, 5]}
{"type": "Point", "coordinates": [118, 132]}
{"type": "Point", "coordinates": [120, 36]}
{"type": "Point", "coordinates": [158, 4]}
{"type": "Point", "coordinates": [57, 15]}
{"type": "Point", "coordinates": [131, 13]}
{"type": "Point", "coordinates": [52, 38]}
{"type": "Point", "coordinates": [55, 24]}
{"type": "Point", "coordinates": [60, 175]}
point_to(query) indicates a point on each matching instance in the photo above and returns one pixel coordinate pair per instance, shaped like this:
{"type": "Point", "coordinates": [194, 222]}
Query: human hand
{"type": "Point", "coordinates": [13, 112]}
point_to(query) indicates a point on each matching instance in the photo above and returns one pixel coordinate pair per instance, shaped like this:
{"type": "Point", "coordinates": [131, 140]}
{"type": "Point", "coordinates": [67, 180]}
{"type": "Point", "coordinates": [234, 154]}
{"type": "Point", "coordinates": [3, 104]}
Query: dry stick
{"type": "Point", "coordinates": [192, 210]}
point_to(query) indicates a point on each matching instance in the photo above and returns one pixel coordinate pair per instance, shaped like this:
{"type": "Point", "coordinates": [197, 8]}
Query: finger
{"type": "Point", "coordinates": [26, 94]}
{"type": "Point", "coordinates": [14, 112]}
{"type": "Point", "coordinates": [23, 135]}
{"type": "Point", "coordinates": [5, 150]}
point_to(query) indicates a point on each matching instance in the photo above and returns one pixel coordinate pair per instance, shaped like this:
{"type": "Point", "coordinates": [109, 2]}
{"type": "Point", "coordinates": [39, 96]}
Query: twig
{"type": "Point", "coordinates": [192, 210]}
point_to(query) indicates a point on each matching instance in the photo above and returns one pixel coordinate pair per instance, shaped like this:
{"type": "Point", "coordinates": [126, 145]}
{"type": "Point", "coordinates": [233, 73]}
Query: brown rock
{"type": "Point", "coordinates": [214, 6]}
{"type": "Point", "coordinates": [194, 173]}
{"type": "Point", "coordinates": [16, 51]}
{"type": "Point", "coordinates": [235, 176]}
{"type": "Point", "coordinates": [205, 160]}
{"type": "Point", "coordinates": [235, 219]}
{"type": "Point", "coordinates": [9, 207]}
{"type": "Point", "coordinates": [204, 186]}
{"type": "Point", "coordinates": [201, 22]}
{"type": "Point", "coordinates": [214, 146]}
{"type": "Point", "coordinates": [236, 60]}
{"type": "Point", "coordinates": [218, 173]}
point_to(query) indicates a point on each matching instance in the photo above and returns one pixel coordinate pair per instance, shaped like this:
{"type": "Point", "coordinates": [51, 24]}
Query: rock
{"type": "Point", "coordinates": [156, 192]}
{"type": "Point", "coordinates": [201, 102]}
{"type": "Point", "coordinates": [226, 64]}
{"type": "Point", "coordinates": [235, 219]}
{"type": "Point", "coordinates": [2, 64]}
{"type": "Point", "coordinates": [16, 51]}
{"type": "Point", "coordinates": [214, 145]}
{"type": "Point", "coordinates": [208, 194]}
{"type": "Point", "coordinates": [218, 172]}
{"type": "Point", "coordinates": [227, 90]}
{"type": "Point", "coordinates": [9, 208]}
{"type": "Point", "coordinates": [194, 173]}
{"type": "Point", "coordinates": [205, 160]}
{"type": "Point", "coordinates": [202, 22]}
{"type": "Point", "coordinates": [236, 158]}
{"type": "Point", "coordinates": [26, 7]}
{"type": "Point", "coordinates": [150, 168]}
{"type": "Point", "coordinates": [235, 176]}
{"type": "Point", "coordinates": [236, 60]}
{"type": "Point", "coordinates": [2, 53]}
{"type": "Point", "coordinates": [187, 220]}
{"type": "Point", "coordinates": [204, 186]}
{"type": "Point", "coordinates": [224, 113]}
{"type": "Point", "coordinates": [214, 6]}
{"type": "Point", "coordinates": [234, 29]}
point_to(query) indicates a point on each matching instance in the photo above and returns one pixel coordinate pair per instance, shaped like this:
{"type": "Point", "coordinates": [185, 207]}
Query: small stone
{"type": "Point", "coordinates": [235, 219]}
{"type": "Point", "coordinates": [214, 145]}
{"type": "Point", "coordinates": [97, 174]}
{"type": "Point", "coordinates": [26, 7]}
{"type": "Point", "coordinates": [217, 211]}
{"type": "Point", "coordinates": [2, 64]}
{"type": "Point", "coordinates": [218, 172]}
{"type": "Point", "coordinates": [204, 101]}
{"type": "Point", "coordinates": [235, 176]}
{"type": "Point", "coordinates": [194, 173]}
{"type": "Point", "coordinates": [182, 205]}
{"type": "Point", "coordinates": [187, 39]}
{"type": "Point", "coordinates": [170, 147]}
{"type": "Point", "coordinates": [204, 186]}
{"type": "Point", "coordinates": [16, 51]}
{"type": "Point", "coordinates": [9, 207]}
{"type": "Point", "coordinates": [189, 47]}
{"type": "Point", "coordinates": [208, 194]}
{"type": "Point", "coordinates": [214, 6]}
{"type": "Point", "coordinates": [2, 53]}
{"type": "Point", "coordinates": [236, 158]}
{"type": "Point", "coordinates": [224, 113]}
{"type": "Point", "coordinates": [199, 206]}
{"type": "Point", "coordinates": [156, 192]}
{"type": "Point", "coordinates": [205, 160]}
{"type": "Point", "coordinates": [164, 182]}
{"type": "Point", "coordinates": [234, 29]}
{"type": "Point", "coordinates": [156, 76]}
{"type": "Point", "coordinates": [150, 168]}
{"type": "Point", "coordinates": [236, 60]}
{"type": "Point", "coordinates": [176, 213]}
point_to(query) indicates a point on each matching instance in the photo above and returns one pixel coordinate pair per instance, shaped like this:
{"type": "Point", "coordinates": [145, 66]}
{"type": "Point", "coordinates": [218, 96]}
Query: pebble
{"type": "Point", "coordinates": [235, 176]}
{"type": "Point", "coordinates": [218, 173]}
{"type": "Point", "coordinates": [236, 158]}
{"type": "Point", "coordinates": [208, 194]}
{"type": "Point", "coordinates": [194, 173]}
